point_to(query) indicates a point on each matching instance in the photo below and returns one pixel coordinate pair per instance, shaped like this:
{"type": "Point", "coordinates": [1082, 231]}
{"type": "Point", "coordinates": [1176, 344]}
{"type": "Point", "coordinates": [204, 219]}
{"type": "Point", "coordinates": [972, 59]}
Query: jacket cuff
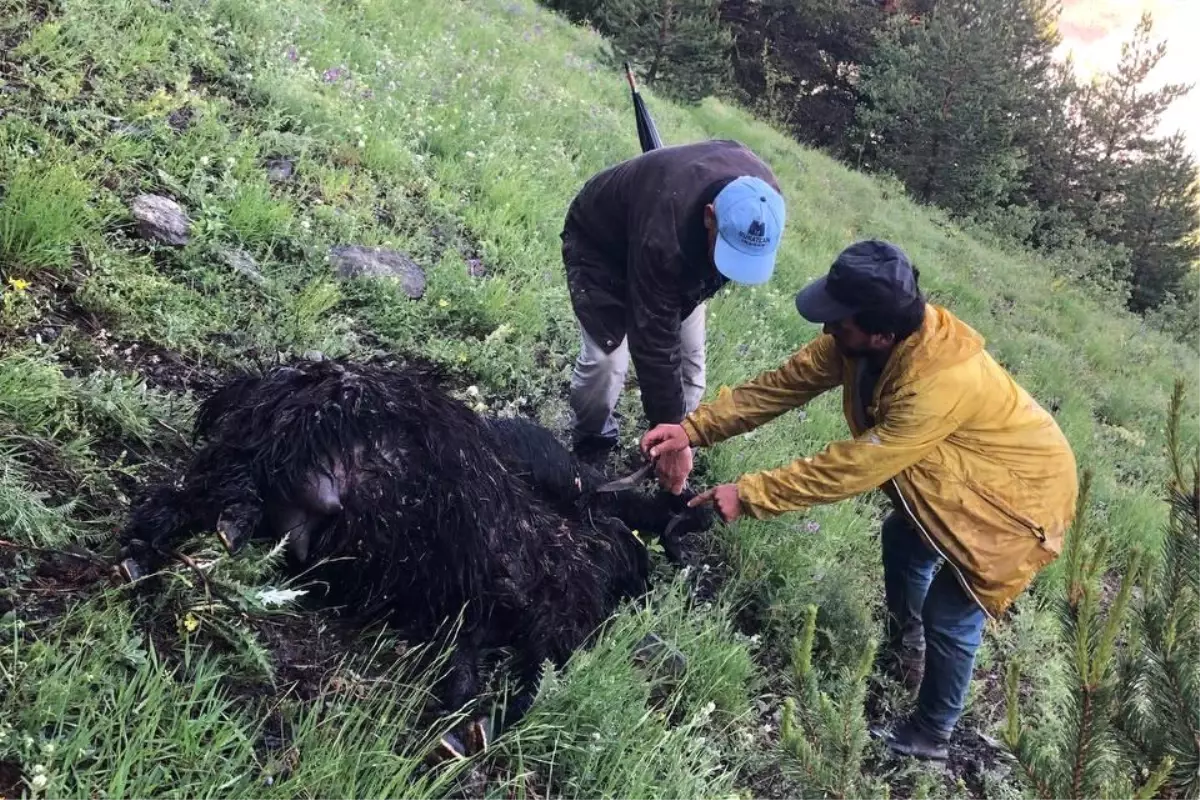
{"type": "Point", "coordinates": [689, 428]}
{"type": "Point", "coordinates": [754, 503]}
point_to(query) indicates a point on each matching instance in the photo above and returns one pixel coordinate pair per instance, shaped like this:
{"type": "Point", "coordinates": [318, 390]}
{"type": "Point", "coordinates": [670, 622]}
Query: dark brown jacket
{"type": "Point", "coordinates": [637, 257]}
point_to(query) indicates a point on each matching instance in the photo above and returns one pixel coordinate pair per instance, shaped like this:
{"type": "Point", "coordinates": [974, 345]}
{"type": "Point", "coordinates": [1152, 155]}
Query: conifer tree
{"type": "Point", "coordinates": [795, 62]}
{"type": "Point", "coordinates": [1160, 666]}
{"type": "Point", "coordinates": [947, 101]}
{"type": "Point", "coordinates": [1160, 218]}
{"type": "Point", "coordinates": [1131, 726]}
{"type": "Point", "coordinates": [1120, 119]}
{"type": "Point", "coordinates": [678, 46]}
{"type": "Point", "coordinates": [1083, 758]}
{"type": "Point", "coordinates": [826, 733]}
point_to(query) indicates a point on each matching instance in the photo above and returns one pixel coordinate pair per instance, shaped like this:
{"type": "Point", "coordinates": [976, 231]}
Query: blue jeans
{"type": "Point", "coordinates": [935, 612]}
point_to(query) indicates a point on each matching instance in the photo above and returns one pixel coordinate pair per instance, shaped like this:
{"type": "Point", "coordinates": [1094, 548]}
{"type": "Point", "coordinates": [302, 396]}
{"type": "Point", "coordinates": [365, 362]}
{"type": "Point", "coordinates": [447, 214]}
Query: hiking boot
{"type": "Point", "coordinates": [910, 739]}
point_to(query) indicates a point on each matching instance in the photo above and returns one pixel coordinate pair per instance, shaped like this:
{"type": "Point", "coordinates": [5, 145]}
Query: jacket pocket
{"type": "Point", "coordinates": [1004, 509]}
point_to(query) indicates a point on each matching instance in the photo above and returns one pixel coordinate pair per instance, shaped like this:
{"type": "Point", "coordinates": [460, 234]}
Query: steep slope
{"type": "Point", "coordinates": [456, 133]}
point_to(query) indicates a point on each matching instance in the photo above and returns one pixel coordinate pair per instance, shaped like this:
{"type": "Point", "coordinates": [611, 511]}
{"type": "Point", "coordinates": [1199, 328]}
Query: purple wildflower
{"type": "Point", "coordinates": [292, 53]}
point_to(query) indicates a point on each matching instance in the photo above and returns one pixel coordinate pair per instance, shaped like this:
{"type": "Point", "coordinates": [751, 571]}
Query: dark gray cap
{"type": "Point", "coordinates": [871, 275]}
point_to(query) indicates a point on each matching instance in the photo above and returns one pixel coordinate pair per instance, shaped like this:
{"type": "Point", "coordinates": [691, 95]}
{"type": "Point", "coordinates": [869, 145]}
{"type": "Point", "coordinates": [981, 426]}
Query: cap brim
{"type": "Point", "coordinates": [738, 266]}
{"type": "Point", "coordinates": [815, 304]}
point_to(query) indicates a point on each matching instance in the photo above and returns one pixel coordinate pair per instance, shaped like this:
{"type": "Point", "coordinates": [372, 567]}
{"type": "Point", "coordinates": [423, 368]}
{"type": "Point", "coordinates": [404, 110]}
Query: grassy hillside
{"type": "Point", "coordinates": [456, 132]}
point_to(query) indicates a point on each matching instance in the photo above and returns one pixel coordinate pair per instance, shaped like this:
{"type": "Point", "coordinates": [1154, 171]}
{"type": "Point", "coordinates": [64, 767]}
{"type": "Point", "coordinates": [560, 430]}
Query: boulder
{"type": "Point", "coordinates": [357, 261]}
{"type": "Point", "coordinates": [160, 219]}
{"type": "Point", "coordinates": [279, 170]}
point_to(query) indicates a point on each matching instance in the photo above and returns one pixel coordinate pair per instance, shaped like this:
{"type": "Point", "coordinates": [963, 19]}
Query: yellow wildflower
{"type": "Point", "coordinates": [190, 623]}
{"type": "Point", "coordinates": [443, 303]}
{"type": "Point", "coordinates": [18, 284]}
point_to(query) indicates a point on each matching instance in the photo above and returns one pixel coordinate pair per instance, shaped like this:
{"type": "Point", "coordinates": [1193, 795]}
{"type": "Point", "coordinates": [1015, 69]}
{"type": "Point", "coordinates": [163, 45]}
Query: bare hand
{"type": "Point", "coordinates": [673, 469]}
{"type": "Point", "coordinates": [724, 497]}
{"type": "Point", "coordinates": [663, 439]}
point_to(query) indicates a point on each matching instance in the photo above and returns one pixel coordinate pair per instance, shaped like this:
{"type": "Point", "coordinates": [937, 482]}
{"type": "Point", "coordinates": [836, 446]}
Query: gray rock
{"type": "Point", "coordinates": [652, 648]}
{"type": "Point", "coordinates": [356, 261]}
{"type": "Point", "coordinates": [280, 169]}
{"type": "Point", "coordinates": [180, 119]}
{"type": "Point", "coordinates": [241, 262]}
{"type": "Point", "coordinates": [160, 219]}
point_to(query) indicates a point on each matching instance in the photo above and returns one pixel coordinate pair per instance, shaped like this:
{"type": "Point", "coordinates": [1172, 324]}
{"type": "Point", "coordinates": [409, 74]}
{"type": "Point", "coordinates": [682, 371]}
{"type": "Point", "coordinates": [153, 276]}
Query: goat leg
{"type": "Point", "coordinates": [237, 525]}
{"type": "Point", "coordinates": [163, 517]}
{"type": "Point", "coordinates": [458, 687]}
{"type": "Point", "coordinates": [671, 544]}
{"type": "Point", "coordinates": [512, 712]}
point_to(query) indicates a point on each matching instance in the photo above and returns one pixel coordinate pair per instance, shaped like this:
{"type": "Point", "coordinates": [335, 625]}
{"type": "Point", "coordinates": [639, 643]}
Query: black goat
{"type": "Point", "coordinates": [578, 489]}
{"type": "Point", "coordinates": [409, 506]}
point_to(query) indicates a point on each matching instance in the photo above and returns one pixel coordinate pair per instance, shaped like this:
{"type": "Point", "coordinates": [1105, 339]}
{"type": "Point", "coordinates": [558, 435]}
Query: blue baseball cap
{"type": "Point", "coordinates": [750, 218]}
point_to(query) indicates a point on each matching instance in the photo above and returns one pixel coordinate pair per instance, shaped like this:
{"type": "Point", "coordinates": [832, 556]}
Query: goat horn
{"type": "Point", "coordinates": [673, 523]}
{"type": "Point", "coordinates": [628, 482]}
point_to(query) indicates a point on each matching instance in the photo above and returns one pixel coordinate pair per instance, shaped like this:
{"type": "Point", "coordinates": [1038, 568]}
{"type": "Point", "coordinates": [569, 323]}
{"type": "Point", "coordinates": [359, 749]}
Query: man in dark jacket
{"type": "Point", "coordinates": [645, 243]}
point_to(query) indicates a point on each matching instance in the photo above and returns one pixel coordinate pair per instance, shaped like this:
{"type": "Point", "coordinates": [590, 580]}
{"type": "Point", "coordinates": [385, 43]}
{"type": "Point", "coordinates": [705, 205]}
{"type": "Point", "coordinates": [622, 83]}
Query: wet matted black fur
{"type": "Point", "coordinates": [407, 505]}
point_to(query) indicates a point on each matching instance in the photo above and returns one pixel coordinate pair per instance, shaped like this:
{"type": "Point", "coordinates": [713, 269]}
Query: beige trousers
{"type": "Point", "coordinates": [599, 377]}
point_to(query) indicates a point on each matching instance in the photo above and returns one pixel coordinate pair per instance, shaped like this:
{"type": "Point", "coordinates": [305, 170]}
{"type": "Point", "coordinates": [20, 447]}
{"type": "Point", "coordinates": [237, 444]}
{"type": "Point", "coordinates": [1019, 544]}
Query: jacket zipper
{"type": "Point", "coordinates": [938, 550]}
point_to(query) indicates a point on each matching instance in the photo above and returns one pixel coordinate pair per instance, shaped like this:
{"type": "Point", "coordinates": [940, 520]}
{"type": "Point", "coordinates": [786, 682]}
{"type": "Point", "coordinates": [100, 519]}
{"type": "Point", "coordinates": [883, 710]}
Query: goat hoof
{"type": "Point", "coordinates": [130, 570]}
{"type": "Point", "coordinates": [478, 734]}
{"type": "Point", "coordinates": [449, 748]}
{"type": "Point", "coordinates": [230, 535]}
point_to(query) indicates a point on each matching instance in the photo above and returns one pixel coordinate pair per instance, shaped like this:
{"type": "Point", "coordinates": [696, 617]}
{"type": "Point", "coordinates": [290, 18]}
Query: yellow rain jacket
{"type": "Point", "coordinates": [967, 454]}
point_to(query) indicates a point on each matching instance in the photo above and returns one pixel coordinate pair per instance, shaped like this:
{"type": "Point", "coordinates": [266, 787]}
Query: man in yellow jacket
{"type": "Point", "coordinates": [980, 476]}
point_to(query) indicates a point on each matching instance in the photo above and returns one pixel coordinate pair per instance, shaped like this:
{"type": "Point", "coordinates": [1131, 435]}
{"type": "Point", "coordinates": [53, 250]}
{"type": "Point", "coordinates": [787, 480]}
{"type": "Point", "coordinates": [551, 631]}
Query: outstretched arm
{"type": "Point", "coordinates": [916, 423]}
{"type": "Point", "coordinates": [814, 369]}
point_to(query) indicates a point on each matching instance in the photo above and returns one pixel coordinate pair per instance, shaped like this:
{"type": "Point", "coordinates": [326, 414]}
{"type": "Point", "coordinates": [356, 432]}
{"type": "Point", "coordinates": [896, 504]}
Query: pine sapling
{"type": "Point", "coordinates": [1083, 758]}
{"type": "Point", "coordinates": [826, 733]}
{"type": "Point", "coordinates": [1160, 668]}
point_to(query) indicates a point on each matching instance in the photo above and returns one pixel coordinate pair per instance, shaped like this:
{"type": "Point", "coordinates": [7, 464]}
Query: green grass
{"type": "Point", "coordinates": [457, 133]}
{"type": "Point", "coordinates": [43, 214]}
